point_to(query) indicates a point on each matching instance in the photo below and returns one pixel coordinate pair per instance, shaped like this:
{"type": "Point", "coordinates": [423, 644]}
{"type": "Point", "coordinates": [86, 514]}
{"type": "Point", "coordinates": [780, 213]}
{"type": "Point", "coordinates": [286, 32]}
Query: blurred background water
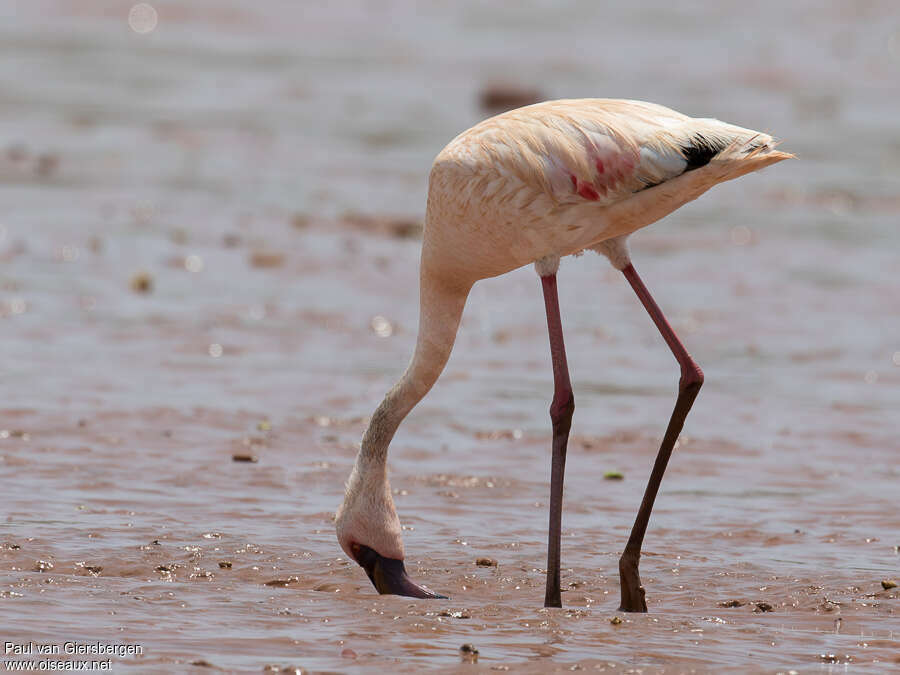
{"type": "Point", "coordinates": [229, 115]}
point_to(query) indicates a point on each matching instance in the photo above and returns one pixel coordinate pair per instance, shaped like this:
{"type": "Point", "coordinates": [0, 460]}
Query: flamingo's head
{"type": "Point", "coordinates": [368, 530]}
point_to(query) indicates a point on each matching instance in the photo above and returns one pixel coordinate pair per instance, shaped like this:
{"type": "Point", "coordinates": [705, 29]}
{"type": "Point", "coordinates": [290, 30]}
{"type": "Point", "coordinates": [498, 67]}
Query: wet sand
{"type": "Point", "coordinates": [182, 281]}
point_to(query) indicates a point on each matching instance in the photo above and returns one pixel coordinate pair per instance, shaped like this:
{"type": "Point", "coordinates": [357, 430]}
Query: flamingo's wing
{"type": "Point", "coordinates": [598, 150]}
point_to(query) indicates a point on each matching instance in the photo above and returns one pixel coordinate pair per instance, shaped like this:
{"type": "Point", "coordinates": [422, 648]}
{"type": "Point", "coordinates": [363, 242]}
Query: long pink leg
{"type": "Point", "coordinates": [688, 387]}
{"type": "Point", "coordinates": [561, 414]}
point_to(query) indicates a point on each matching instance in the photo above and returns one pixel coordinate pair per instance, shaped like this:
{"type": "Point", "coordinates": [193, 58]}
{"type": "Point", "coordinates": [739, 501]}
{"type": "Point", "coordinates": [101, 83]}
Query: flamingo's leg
{"type": "Point", "coordinates": [561, 414]}
{"type": "Point", "coordinates": [688, 387]}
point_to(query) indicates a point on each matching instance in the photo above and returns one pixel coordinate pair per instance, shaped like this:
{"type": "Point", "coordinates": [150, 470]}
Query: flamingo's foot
{"type": "Point", "coordinates": [388, 575]}
{"type": "Point", "coordinates": [632, 591]}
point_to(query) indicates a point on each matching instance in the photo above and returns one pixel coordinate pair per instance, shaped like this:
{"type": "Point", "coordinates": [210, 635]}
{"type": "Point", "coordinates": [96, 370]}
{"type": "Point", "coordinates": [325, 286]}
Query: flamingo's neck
{"type": "Point", "coordinates": [383, 425]}
{"type": "Point", "coordinates": [367, 516]}
{"type": "Point", "coordinates": [440, 310]}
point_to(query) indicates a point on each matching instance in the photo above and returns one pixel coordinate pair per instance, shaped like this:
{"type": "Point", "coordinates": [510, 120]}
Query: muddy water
{"type": "Point", "coordinates": [212, 162]}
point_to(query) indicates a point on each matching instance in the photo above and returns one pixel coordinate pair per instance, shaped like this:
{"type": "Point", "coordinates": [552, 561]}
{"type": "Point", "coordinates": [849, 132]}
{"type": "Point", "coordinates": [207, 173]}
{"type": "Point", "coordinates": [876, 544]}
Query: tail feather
{"type": "Point", "coordinates": [730, 147]}
{"type": "Point", "coordinates": [746, 155]}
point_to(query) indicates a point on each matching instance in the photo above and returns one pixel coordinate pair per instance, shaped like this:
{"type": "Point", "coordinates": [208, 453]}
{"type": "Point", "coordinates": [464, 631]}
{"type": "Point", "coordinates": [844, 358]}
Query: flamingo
{"type": "Point", "coordinates": [530, 186]}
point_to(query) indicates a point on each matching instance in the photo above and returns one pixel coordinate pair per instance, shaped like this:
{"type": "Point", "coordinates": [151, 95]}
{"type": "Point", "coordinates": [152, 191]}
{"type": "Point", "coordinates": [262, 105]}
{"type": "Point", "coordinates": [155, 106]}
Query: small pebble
{"type": "Point", "coordinates": [142, 283]}
{"type": "Point", "coordinates": [486, 562]}
{"type": "Point", "coordinates": [461, 614]}
{"type": "Point", "coordinates": [887, 584]}
{"type": "Point", "coordinates": [266, 259]}
{"type": "Point", "coordinates": [469, 653]}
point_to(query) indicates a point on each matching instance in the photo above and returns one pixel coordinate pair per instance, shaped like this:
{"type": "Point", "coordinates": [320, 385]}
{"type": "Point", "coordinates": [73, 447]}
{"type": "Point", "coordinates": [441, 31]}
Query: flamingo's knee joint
{"type": "Point", "coordinates": [691, 379]}
{"type": "Point", "coordinates": [561, 410]}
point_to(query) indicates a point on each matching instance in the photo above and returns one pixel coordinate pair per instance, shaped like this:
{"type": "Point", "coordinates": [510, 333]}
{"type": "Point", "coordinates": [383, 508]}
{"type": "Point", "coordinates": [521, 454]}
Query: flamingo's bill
{"type": "Point", "coordinates": [389, 576]}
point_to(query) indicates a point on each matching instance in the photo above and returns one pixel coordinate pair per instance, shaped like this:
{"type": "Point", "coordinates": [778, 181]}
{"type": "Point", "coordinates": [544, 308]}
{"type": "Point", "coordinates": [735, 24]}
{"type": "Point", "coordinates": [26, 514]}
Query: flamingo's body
{"type": "Point", "coordinates": [533, 185]}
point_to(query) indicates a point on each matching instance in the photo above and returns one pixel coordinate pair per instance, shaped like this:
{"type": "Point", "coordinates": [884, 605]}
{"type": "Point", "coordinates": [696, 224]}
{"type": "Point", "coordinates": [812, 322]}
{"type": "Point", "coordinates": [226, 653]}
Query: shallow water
{"type": "Point", "coordinates": [220, 153]}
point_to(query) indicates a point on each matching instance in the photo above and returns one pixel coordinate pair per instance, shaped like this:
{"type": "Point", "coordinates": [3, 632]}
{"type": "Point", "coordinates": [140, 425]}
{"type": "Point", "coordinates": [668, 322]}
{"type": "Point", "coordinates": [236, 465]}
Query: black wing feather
{"type": "Point", "coordinates": [700, 150]}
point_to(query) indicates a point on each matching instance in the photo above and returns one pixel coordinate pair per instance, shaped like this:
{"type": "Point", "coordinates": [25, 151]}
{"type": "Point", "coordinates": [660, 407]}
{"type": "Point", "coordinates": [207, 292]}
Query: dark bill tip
{"type": "Point", "coordinates": [389, 576]}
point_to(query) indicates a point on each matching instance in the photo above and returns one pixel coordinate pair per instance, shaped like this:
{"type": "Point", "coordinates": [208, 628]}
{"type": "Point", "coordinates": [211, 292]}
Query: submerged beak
{"type": "Point", "coordinates": [389, 575]}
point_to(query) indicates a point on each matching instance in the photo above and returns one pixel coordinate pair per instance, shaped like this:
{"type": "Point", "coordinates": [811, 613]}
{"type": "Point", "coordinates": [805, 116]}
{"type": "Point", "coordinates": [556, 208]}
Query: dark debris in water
{"type": "Point", "coordinates": [763, 607]}
{"type": "Point", "coordinates": [394, 227]}
{"type": "Point", "coordinates": [242, 457]}
{"type": "Point", "coordinates": [485, 562]}
{"type": "Point", "coordinates": [731, 603]}
{"type": "Point", "coordinates": [266, 259]}
{"type": "Point", "coordinates": [281, 583]}
{"type": "Point", "coordinates": [499, 97]}
{"type": "Point", "coordinates": [142, 282]}
{"type": "Point", "coordinates": [469, 653]}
